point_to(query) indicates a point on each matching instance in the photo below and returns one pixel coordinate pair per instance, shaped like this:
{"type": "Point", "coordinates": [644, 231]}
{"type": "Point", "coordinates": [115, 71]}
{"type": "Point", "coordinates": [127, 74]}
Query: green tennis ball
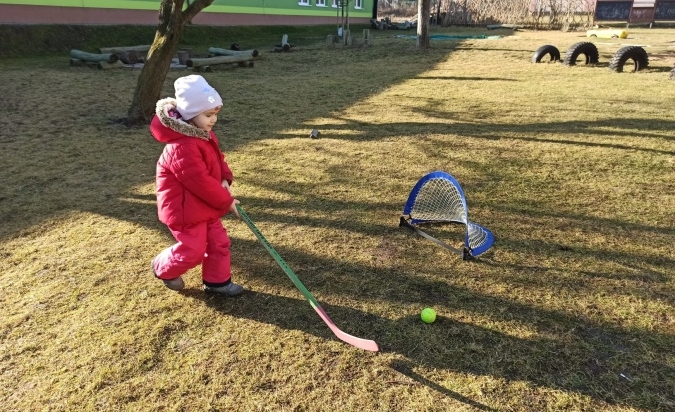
{"type": "Point", "coordinates": [428, 315]}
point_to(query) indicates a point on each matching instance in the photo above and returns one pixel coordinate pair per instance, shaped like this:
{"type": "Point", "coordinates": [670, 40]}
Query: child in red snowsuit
{"type": "Point", "coordinates": [193, 188]}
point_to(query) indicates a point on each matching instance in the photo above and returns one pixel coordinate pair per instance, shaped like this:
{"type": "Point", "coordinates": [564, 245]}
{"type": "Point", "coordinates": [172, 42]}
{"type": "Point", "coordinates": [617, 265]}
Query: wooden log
{"type": "Point", "coordinates": [284, 46]}
{"type": "Point", "coordinates": [367, 37]}
{"type": "Point", "coordinates": [284, 49]}
{"type": "Point", "coordinates": [105, 65]}
{"type": "Point", "coordinates": [513, 27]}
{"type": "Point", "coordinates": [246, 64]}
{"type": "Point", "coordinates": [217, 60]}
{"type": "Point", "coordinates": [114, 50]}
{"type": "Point", "coordinates": [82, 63]}
{"type": "Point", "coordinates": [203, 69]}
{"type": "Point", "coordinates": [92, 57]}
{"type": "Point", "coordinates": [183, 56]}
{"type": "Point", "coordinates": [346, 38]}
{"type": "Point", "coordinates": [130, 57]}
{"type": "Point", "coordinates": [225, 52]}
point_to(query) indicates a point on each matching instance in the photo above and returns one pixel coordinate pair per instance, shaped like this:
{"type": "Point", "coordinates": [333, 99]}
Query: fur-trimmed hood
{"type": "Point", "coordinates": [170, 118]}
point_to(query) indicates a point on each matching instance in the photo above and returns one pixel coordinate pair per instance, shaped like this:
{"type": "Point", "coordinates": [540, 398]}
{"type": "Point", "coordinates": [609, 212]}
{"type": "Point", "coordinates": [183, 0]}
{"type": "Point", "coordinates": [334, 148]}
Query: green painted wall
{"type": "Point", "coordinates": [279, 7]}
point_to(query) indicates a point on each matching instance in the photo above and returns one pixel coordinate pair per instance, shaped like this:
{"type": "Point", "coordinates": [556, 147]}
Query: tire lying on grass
{"type": "Point", "coordinates": [543, 51]}
{"type": "Point", "coordinates": [636, 54]}
{"type": "Point", "coordinates": [588, 49]}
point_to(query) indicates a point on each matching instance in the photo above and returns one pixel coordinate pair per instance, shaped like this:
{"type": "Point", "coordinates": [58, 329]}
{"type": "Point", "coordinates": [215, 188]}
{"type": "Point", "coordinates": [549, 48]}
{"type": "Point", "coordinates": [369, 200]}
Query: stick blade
{"type": "Point", "coordinates": [360, 343]}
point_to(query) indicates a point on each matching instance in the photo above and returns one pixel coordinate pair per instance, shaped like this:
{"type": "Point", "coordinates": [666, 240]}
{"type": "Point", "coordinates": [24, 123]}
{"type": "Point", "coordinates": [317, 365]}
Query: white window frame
{"type": "Point", "coordinates": [358, 4]}
{"type": "Point", "coordinates": [303, 2]}
{"type": "Point", "coordinates": [320, 3]}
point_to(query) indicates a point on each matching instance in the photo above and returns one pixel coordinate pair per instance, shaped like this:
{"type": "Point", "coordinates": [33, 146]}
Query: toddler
{"type": "Point", "coordinates": [193, 188]}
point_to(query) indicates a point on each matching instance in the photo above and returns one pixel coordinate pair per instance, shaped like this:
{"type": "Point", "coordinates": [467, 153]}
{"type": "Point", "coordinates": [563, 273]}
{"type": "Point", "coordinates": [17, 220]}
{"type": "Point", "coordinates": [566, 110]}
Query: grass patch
{"type": "Point", "coordinates": [571, 168]}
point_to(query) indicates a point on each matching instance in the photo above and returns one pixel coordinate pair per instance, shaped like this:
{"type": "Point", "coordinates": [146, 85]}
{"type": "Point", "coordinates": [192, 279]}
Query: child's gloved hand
{"type": "Point", "coordinates": [233, 208]}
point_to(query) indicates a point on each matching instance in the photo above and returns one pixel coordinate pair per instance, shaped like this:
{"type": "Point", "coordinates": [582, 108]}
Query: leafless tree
{"type": "Point", "coordinates": [423, 13]}
{"type": "Point", "coordinates": [173, 17]}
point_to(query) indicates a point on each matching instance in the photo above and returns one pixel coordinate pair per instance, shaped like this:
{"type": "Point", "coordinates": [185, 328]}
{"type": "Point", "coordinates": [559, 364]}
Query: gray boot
{"type": "Point", "coordinates": [173, 284]}
{"type": "Point", "coordinates": [231, 289]}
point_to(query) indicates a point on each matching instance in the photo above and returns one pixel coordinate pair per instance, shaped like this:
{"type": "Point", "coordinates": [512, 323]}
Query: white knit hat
{"type": "Point", "coordinates": [194, 96]}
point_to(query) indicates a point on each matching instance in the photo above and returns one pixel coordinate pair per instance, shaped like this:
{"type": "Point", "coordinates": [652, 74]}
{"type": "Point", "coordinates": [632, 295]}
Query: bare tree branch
{"type": "Point", "coordinates": [172, 21]}
{"type": "Point", "coordinates": [193, 9]}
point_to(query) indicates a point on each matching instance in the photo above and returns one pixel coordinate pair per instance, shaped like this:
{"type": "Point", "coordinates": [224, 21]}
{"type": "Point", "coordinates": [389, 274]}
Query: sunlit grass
{"type": "Point", "coordinates": [571, 167]}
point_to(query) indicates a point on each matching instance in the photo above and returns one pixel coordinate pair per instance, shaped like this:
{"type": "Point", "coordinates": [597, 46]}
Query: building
{"type": "Point", "coordinates": [219, 13]}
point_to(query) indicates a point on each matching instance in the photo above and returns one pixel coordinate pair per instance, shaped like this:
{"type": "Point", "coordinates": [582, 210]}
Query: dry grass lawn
{"type": "Point", "coordinates": [572, 168]}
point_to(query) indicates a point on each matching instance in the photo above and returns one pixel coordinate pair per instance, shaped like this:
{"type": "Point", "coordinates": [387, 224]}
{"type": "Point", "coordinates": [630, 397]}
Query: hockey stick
{"type": "Point", "coordinates": [352, 340]}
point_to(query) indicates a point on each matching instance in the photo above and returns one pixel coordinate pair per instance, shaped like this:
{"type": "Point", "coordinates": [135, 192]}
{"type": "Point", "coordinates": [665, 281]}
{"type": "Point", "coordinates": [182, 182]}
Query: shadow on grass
{"type": "Point", "coordinates": [572, 221]}
{"type": "Point", "coordinates": [618, 366]}
{"type": "Point", "coordinates": [472, 79]}
{"type": "Point", "coordinates": [345, 216]}
{"type": "Point", "coordinates": [493, 130]}
{"type": "Point", "coordinates": [81, 181]}
{"type": "Point", "coordinates": [406, 369]}
{"type": "Point", "coordinates": [495, 49]}
{"type": "Point", "coordinates": [568, 352]}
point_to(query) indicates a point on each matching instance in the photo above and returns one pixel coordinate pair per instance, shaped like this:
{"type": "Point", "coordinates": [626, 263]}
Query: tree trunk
{"type": "Point", "coordinates": [172, 21]}
{"type": "Point", "coordinates": [423, 13]}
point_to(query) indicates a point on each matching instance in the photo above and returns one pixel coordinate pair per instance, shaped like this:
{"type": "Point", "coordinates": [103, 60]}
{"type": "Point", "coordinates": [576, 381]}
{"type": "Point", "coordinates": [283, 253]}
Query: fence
{"type": "Point", "coordinates": [539, 14]}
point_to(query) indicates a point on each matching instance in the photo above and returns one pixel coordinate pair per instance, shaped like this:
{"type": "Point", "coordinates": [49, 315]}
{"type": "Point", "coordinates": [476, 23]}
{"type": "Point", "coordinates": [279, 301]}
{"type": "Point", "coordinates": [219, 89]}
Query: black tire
{"type": "Point", "coordinates": [543, 51]}
{"type": "Point", "coordinates": [636, 54]}
{"type": "Point", "coordinates": [588, 49]}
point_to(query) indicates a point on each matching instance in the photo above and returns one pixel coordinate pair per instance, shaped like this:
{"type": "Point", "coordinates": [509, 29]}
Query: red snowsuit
{"type": "Point", "coordinates": [191, 199]}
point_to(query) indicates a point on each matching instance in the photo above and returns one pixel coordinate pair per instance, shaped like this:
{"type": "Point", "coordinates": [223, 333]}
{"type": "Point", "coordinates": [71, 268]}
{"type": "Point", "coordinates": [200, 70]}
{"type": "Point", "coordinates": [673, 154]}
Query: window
{"type": "Point", "coordinates": [358, 4]}
{"type": "Point", "coordinates": [321, 3]}
{"type": "Point", "coordinates": [303, 2]}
